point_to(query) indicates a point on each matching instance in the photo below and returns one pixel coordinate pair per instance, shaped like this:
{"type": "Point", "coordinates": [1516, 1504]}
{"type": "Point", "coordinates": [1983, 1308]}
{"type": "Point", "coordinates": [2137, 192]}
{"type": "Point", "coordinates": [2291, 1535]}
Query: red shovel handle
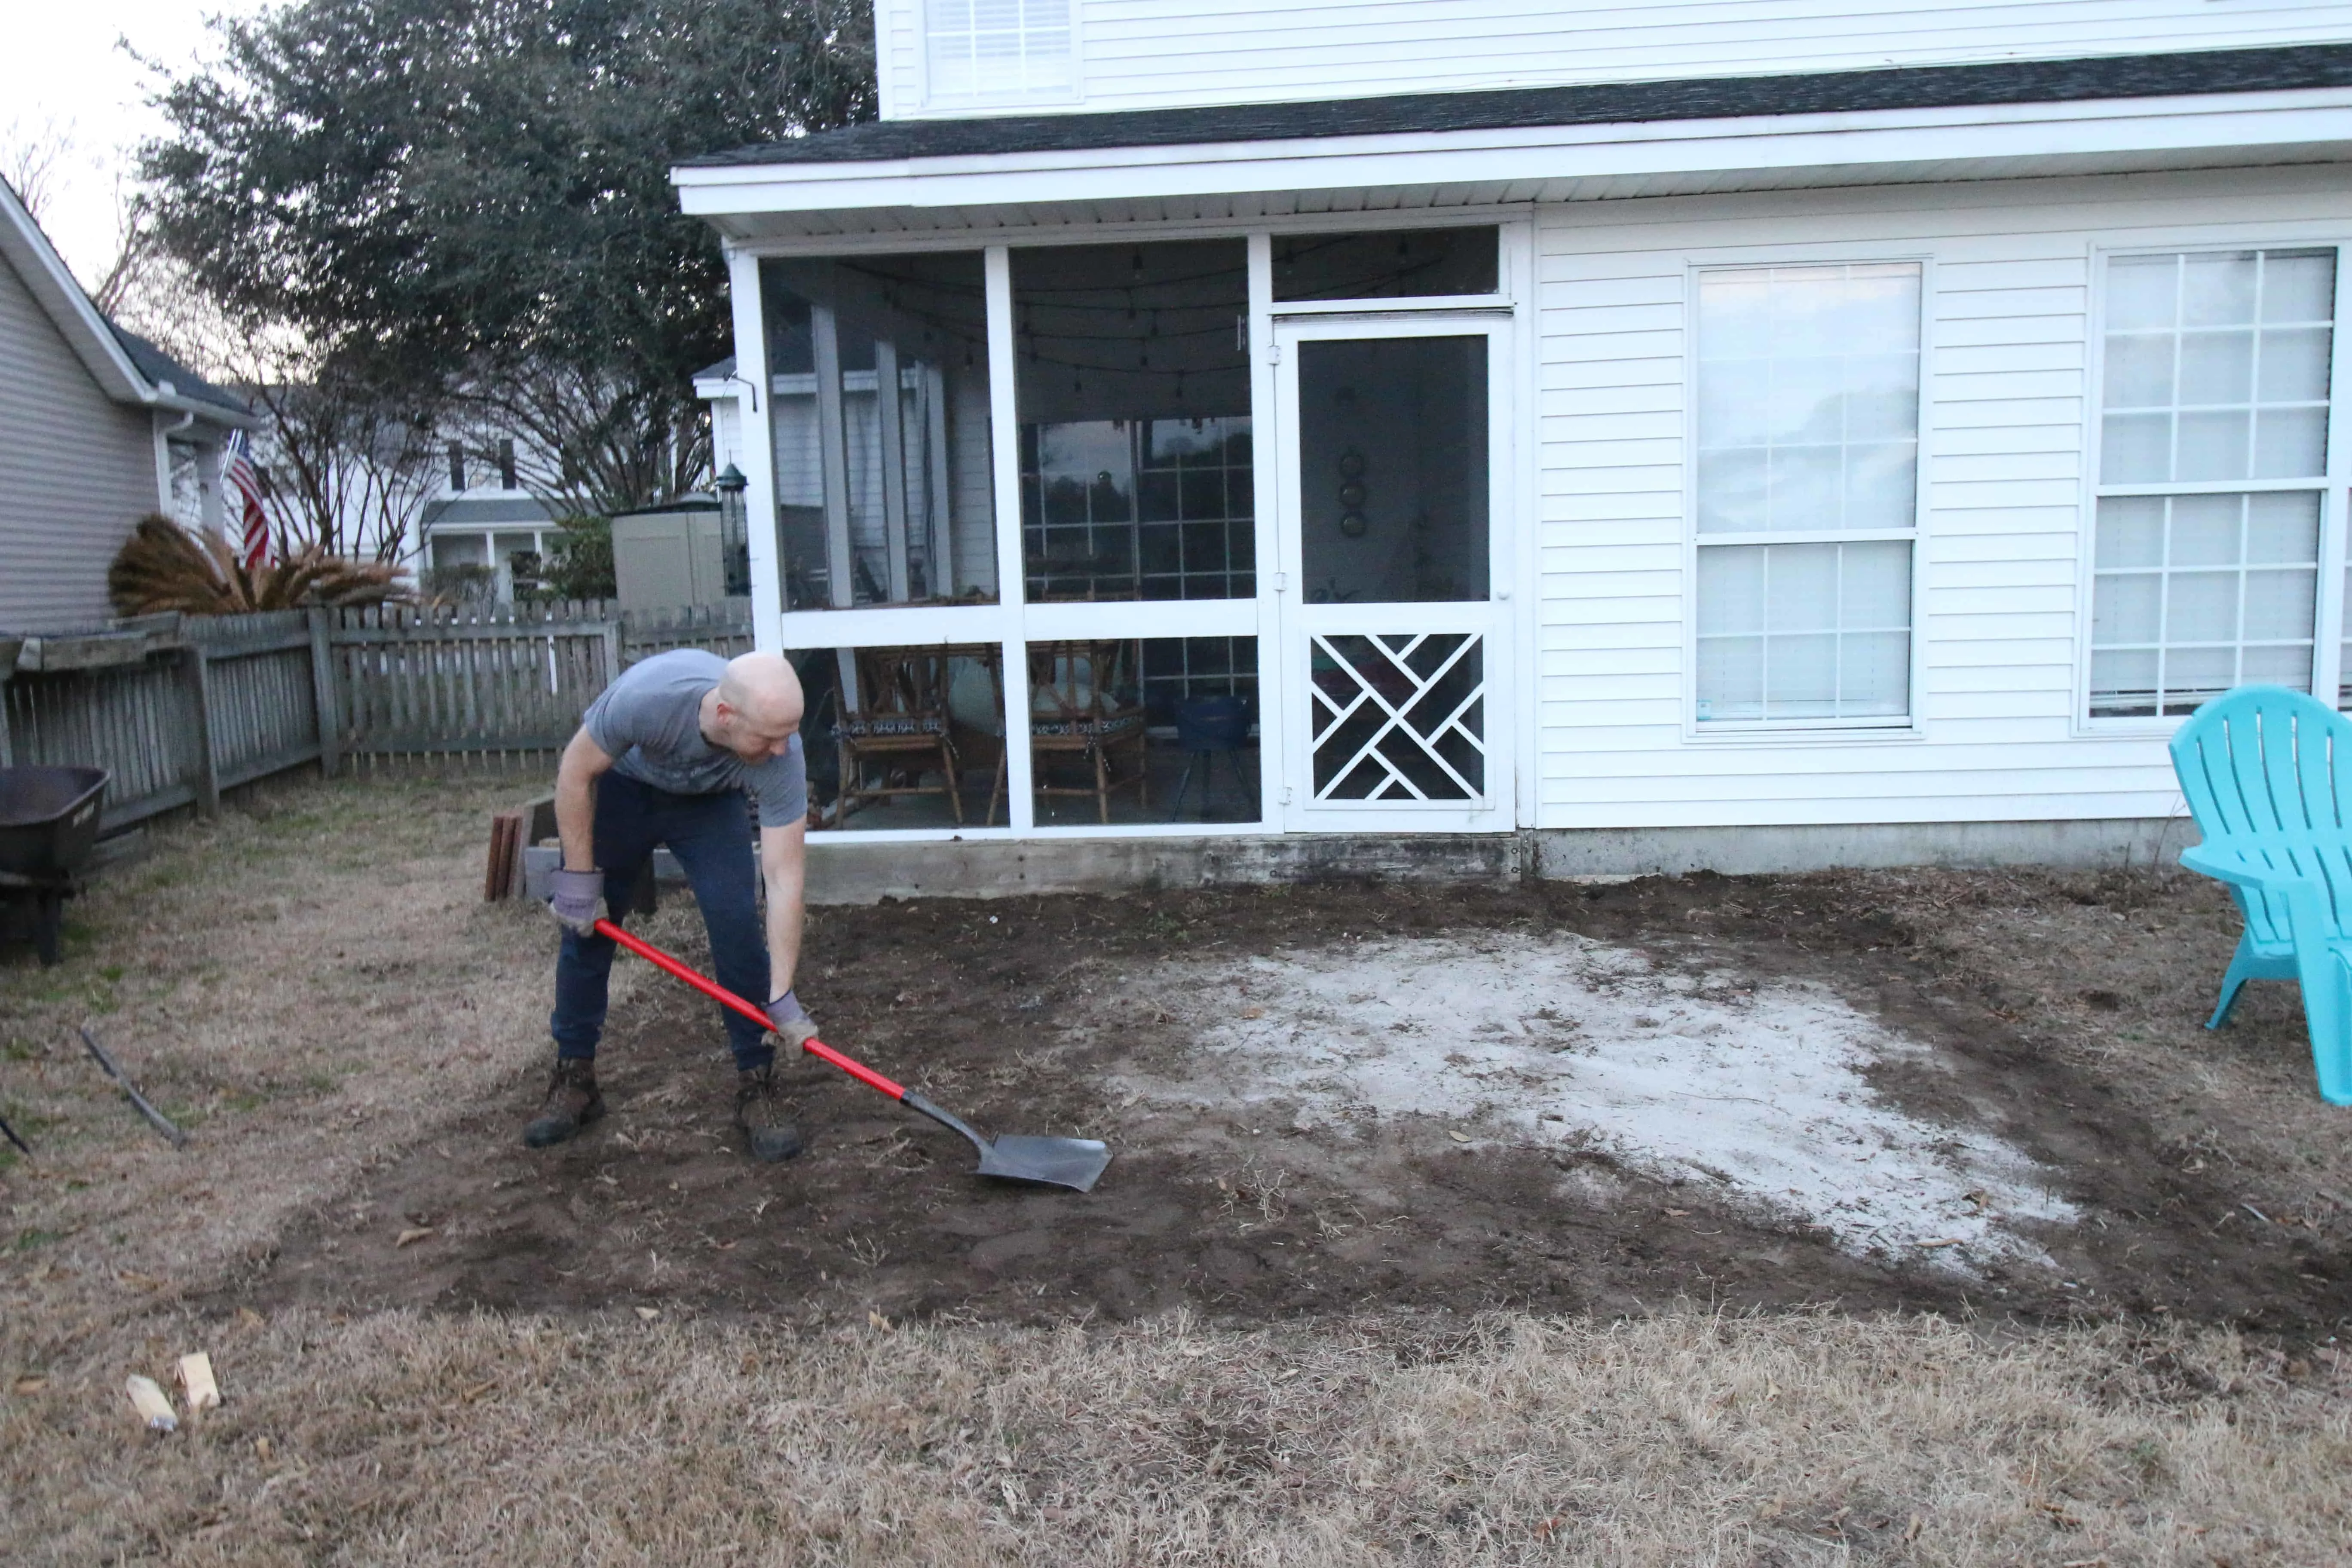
{"type": "Point", "coordinates": [726, 998]}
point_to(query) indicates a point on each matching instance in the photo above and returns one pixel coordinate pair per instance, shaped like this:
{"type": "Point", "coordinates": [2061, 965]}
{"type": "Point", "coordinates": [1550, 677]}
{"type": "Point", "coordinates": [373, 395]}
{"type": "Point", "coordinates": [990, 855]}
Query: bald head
{"type": "Point", "coordinates": [756, 705]}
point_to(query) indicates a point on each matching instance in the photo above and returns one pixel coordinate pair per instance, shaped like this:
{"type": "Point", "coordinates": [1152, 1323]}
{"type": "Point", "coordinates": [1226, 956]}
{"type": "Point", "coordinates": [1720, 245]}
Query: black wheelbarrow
{"type": "Point", "coordinates": [48, 823]}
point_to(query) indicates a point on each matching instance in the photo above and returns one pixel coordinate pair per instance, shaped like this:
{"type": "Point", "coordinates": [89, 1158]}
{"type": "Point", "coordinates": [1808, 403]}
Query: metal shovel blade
{"type": "Point", "coordinates": [1075, 1163]}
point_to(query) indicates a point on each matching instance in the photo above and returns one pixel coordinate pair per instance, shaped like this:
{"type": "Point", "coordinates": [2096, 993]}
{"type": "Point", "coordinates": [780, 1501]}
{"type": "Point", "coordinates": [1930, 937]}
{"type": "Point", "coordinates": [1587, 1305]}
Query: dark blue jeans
{"type": "Point", "coordinates": [711, 837]}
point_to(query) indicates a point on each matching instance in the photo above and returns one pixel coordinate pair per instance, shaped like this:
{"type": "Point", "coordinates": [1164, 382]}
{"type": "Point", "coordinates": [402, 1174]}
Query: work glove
{"type": "Point", "coordinates": [578, 901]}
{"type": "Point", "coordinates": [789, 1019]}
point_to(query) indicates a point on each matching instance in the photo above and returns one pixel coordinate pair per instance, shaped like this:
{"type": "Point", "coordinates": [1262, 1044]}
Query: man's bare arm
{"type": "Point", "coordinates": [584, 761]}
{"type": "Point", "coordinates": [783, 862]}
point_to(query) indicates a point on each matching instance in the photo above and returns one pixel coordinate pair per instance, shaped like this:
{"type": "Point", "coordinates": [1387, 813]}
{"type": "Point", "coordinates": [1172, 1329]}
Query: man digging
{"type": "Point", "coordinates": [667, 755]}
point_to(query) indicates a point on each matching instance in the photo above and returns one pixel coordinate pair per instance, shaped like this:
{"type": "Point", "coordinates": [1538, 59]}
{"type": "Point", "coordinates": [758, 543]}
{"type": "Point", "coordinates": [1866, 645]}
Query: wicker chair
{"type": "Point", "coordinates": [900, 722]}
{"type": "Point", "coordinates": [1081, 703]}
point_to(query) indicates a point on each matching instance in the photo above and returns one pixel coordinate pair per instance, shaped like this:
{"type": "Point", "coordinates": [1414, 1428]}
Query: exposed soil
{"type": "Point", "coordinates": [994, 1008]}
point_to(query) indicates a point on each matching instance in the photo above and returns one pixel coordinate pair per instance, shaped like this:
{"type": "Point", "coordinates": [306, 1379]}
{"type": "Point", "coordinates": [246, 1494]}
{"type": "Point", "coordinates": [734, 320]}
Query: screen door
{"type": "Point", "coordinates": [1394, 552]}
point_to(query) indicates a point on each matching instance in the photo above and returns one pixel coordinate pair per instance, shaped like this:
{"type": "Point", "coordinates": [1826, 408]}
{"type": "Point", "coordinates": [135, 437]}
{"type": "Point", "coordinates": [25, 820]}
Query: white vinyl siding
{"type": "Point", "coordinates": [2215, 378]}
{"type": "Point", "coordinates": [77, 471]}
{"type": "Point", "coordinates": [1153, 54]}
{"type": "Point", "coordinates": [2003, 609]}
{"type": "Point", "coordinates": [994, 51]}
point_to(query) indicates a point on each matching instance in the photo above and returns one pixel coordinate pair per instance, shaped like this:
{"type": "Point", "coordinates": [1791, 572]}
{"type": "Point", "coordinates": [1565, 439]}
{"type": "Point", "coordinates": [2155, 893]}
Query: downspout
{"type": "Point", "coordinates": [164, 434]}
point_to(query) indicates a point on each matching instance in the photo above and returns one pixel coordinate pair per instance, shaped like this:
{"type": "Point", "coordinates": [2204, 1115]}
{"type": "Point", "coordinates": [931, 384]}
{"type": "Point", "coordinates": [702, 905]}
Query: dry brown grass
{"type": "Point", "coordinates": [313, 985]}
{"type": "Point", "coordinates": [306, 984]}
{"type": "Point", "coordinates": [1677, 1439]}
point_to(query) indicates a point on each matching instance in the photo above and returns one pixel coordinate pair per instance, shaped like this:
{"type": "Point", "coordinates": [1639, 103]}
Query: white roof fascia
{"type": "Point", "coordinates": [1978, 139]}
{"type": "Point", "coordinates": [60, 295]}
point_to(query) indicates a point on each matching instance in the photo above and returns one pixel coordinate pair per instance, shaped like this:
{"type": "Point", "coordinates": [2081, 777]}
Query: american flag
{"type": "Point", "coordinates": [244, 481]}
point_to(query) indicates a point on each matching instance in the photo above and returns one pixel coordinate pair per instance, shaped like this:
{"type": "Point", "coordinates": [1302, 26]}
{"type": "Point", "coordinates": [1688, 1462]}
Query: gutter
{"type": "Point", "coordinates": [165, 395]}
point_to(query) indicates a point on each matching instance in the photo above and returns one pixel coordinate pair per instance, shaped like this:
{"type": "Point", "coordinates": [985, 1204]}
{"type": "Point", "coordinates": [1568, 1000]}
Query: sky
{"type": "Point", "coordinates": [62, 68]}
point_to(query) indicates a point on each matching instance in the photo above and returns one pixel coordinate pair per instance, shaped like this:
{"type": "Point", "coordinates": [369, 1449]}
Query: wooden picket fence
{"type": "Point", "coordinates": [180, 709]}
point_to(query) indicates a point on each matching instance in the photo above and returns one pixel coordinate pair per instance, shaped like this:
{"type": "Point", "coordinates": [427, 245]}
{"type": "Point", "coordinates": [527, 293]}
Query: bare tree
{"type": "Point", "coordinates": [591, 446]}
{"type": "Point", "coordinates": [351, 467]}
{"type": "Point", "coordinates": [36, 160]}
{"type": "Point", "coordinates": [31, 156]}
{"type": "Point", "coordinates": [139, 267]}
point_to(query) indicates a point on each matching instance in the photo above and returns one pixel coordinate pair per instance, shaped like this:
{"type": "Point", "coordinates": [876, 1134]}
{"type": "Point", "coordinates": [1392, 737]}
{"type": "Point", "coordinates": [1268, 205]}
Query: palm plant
{"type": "Point", "coordinates": [163, 566]}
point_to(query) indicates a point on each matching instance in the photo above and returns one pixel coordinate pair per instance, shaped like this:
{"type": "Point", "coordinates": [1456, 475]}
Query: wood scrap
{"type": "Point", "coordinates": [154, 1406]}
{"type": "Point", "coordinates": [499, 876]}
{"type": "Point", "coordinates": [197, 1382]}
{"type": "Point", "coordinates": [11, 1134]}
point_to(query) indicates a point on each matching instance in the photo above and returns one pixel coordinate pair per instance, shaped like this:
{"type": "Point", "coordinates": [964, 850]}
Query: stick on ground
{"type": "Point", "coordinates": [10, 1133]}
{"type": "Point", "coordinates": [163, 1123]}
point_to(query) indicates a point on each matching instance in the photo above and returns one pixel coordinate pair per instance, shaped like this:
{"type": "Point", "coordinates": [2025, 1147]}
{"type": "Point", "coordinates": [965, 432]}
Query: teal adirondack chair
{"type": "Point", "coordinates": [2268, 774]}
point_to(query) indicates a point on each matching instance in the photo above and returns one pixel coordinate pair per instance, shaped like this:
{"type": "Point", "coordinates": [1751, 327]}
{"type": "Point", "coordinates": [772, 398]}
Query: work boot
{"type": "Point", "coordinates": [571, 1104]}
{"type": "Point", "coordinates": [760, 1112]}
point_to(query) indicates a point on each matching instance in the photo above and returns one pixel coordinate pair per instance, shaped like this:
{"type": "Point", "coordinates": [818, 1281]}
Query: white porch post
{"type": "Point", "coordinates": [833, 457]}
{"type": "Point", "coordinates": [1273, 663]}
{"type": "Point", "coordinates": [940, 548]}
{"type": "Point", "coordinates": [208, 490]}
{"type": "Point", "coordinates": [754, 424]}
{"type": "Point", "coordinates": [890, 416]}
{"type": "Point", "coordinates": [1004, 449]}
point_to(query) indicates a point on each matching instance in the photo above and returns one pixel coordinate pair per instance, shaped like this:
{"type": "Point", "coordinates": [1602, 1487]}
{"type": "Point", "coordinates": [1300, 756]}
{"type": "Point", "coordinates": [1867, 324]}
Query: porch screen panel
{"type": "Point", "coordinates": [1130, 730]}
{"type": "Point", "coordinates": [1393, 264]}
{"type": "Point", "coordinates": [878, 409]}
{"type": "Point", "coordinates": [1137, 477]}
{"type": "Point", "coordinates": [2213, 447]}
{"type": "Point", "coordinates": [1807, 492]}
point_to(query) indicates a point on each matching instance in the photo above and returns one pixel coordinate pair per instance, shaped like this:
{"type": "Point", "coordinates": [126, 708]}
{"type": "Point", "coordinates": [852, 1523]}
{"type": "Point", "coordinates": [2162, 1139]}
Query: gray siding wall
{"type": "Point", "coordinates": [77, 471]}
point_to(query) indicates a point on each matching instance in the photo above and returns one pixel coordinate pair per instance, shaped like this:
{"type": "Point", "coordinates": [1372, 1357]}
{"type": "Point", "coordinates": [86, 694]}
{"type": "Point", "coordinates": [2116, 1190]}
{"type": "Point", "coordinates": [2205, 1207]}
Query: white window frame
{"type": "Point", "coordinates": [1910, 726]}
{"type": "Point", "coordinates": [933, 99]}
{"type": "Point", "coordinates": [2328, 630]}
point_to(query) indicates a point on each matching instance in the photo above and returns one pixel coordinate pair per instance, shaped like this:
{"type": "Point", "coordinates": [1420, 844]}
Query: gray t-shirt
{"type": "Point", "coordinates": [649, 721]}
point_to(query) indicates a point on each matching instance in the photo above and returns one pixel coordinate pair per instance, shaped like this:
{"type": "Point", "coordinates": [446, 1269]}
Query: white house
{"type": "Point", "coordinates": [93, 423]}
{"type": "Point", "coordinates": [1737, 433]}
{"type": "Point", "coordinates": [479, 515]}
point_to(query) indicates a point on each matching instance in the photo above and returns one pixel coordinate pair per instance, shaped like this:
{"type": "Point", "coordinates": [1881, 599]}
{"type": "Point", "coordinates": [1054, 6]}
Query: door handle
{"type": "Point", "coordinates": [1501, 594]}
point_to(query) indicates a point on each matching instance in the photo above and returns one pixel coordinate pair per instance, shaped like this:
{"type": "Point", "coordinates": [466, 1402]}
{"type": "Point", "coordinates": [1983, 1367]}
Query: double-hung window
{"type": "Point", "coordinates": [978, 50]}
{"type": "Point", "coordinates": [2211, 475]}
{"type": "Point", "coordinates": [1807, 494]}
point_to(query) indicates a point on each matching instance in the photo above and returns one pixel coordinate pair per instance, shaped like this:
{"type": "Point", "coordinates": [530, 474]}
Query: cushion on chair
{"type": "Point", "coordinates": [1047, 701]}
{"type": "Point", "coordinates": [889, 727]}
{"type": "Point", "coordinates": [1094, 729]}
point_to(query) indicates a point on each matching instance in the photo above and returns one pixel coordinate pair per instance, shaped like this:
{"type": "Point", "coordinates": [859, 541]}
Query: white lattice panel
{"type": "Point", "coordinates": [1398, 716]}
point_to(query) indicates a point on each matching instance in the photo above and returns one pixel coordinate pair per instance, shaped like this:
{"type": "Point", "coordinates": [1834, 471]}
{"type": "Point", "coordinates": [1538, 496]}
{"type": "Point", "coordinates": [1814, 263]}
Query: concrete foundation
{"type": "Point", "coordinates": [1746, 851]}
{"type": "Point", "coordinates": [846, 870]}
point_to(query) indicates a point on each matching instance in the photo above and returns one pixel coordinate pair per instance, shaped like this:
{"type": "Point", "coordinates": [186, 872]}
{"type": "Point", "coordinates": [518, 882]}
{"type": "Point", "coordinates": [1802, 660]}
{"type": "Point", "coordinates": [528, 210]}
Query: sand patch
{"type": "Point", "coordinates": [1754, 1085]}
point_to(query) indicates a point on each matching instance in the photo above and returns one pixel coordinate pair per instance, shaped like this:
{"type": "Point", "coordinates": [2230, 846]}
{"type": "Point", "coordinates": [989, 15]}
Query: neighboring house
{"type": "Point", "coordinates": [1733, 434]}
{"type": "Point", "coordinates": [480, 515]}
{"type": "Point", "coordinates": [96, 420]}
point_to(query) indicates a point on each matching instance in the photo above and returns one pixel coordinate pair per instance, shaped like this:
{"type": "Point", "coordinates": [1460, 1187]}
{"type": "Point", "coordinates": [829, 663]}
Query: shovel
{"type": "Point", "coordinates": [1075, 1163]}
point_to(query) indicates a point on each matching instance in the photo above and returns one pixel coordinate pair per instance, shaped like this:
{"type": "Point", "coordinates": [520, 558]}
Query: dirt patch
{"type": "Point", "coordinates": [1558, 1041]}
{"type": "Point", "coordinates": [1053, 1016]}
